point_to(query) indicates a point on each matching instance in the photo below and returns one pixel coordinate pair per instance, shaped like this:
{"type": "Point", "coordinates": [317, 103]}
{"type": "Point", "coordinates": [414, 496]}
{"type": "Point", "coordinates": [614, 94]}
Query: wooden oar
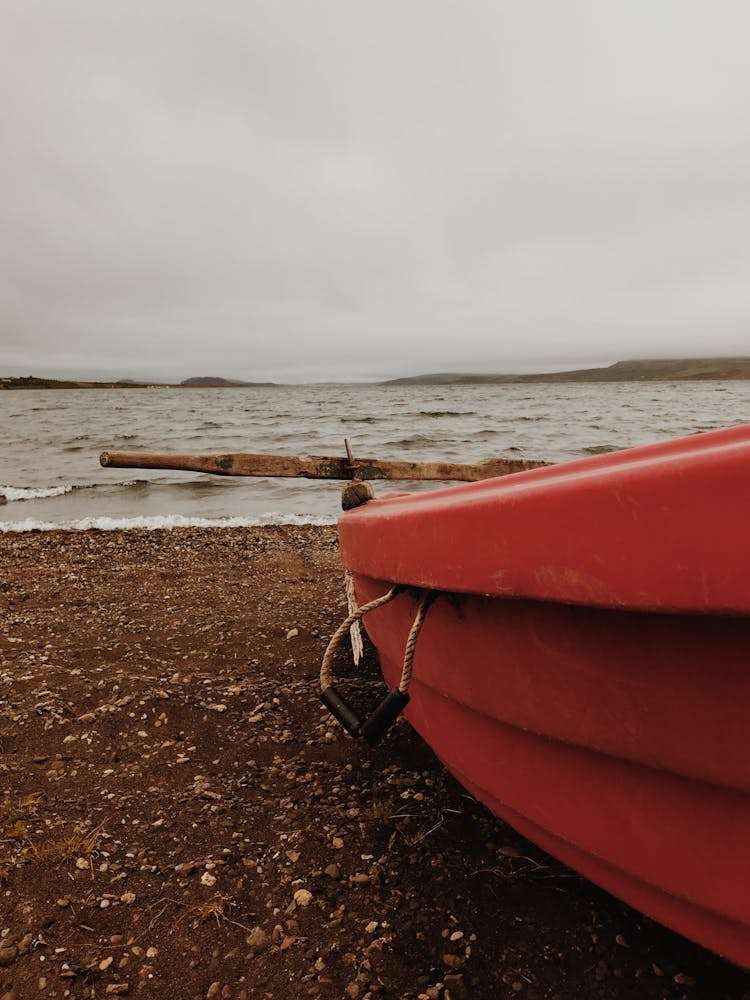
{"type": "Point", "coordinates": [316, 466]}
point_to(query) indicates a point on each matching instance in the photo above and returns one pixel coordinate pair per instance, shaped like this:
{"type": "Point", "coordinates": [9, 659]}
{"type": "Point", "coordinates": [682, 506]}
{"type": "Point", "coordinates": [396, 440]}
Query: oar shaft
{"type": "Point", "coordinates": [315, 466]}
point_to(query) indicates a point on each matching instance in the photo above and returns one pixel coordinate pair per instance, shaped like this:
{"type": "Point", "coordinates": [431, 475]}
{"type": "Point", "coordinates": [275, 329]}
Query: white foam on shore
{"type": "Point", "coordinates": [162, 521]}
{"type": "Point", "coordinates": [12, 493]}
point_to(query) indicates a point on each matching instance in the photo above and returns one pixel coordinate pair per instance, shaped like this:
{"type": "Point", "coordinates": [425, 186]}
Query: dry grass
{"type": "Point", "coordinates": [217, 908]}
{"type": "Point", "coordinates": [80, 843]}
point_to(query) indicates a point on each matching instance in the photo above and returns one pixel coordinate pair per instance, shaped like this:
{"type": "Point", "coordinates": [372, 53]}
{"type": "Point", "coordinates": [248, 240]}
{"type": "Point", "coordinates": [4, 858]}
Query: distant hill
{"type": "Point", "coordinates": [675, 370]}
{"type": "Point", "coordinates": [668, 370]}
{"type": "Point", "coordinates": [218, 383]}
{"type": "Point", "coordinates": [32, 382]}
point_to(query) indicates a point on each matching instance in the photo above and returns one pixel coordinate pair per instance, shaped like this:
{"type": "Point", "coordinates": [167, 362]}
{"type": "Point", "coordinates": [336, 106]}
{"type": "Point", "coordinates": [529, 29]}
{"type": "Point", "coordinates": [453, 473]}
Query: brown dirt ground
{"type": "Point", "coordinates": [169, 781]}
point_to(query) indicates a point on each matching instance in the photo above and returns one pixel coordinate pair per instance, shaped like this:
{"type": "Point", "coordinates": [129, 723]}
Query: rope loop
{"type": "Point", "coordinates": [355, 616]}
{"type": "Point", "coordinates": [387, 711]}
{"type": "Point", "coordinates": [427, 598]}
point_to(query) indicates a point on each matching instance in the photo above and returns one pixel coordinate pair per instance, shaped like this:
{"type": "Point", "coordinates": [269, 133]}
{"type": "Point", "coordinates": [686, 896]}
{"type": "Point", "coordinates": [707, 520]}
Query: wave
{"type": "Point", "coordinates": [408, 442]}
{"type": "Point", "coordinates": [15, 493]}
{"type": "Point", "coordinates": [12, 493]}
{"type": "Point", "coordinates": [160, 522]}
{"type": "Point", "coordinates": [446, 413]}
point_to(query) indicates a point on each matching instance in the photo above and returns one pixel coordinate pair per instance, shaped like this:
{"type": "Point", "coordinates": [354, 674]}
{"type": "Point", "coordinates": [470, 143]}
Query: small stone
{"type": "Point", "coordinates": [257, 939]}
{"type": "Point", "coordinates": [303, 897]}
{"type": "Point", "coordinates": [105, 963]}
{"type": "Point", "coordinates": [82, 863]}
{"type": "Point", "coordinates": [292, 633]}
{"type": "Point", "coordinates": [104, 903]}
{"type": "Point", "coordinates": [117, 989]}
{"type": "Point", "coordinates": [24, 945]}
{"type": "Point", "coordinates": [186, 868]}
{"type": "Point", "coordinates": [353, 990]}
{"type": "Point", "coordinates": [361, 879]}
{"type": "Point", "coordinates": [8, 955]}
{"type": "Point", "coordinates": [371, 927]}
{"type": "Point", "coordinates": [602, 971]}
{"type": "Point", "coordinates": [62, 902]}
{"type": "Point", "coordinates": [208, 879]}
{"type": "Point", "coordinates": [214, 990]}
{"type": "Point", "coordinates": [682, 980]}
{"type": "Point", "coordinates": [338, 843]}
{"type": "Point", "coordinates": [152, 952]}
{"type": "Point", "coordinates": [456, 935]}
{"type": "Point", "coordinates": [333, 871]}
{"type": "Point", "coordinates": [455, 986]}
{"type": "Point", "coordinates": [509, 852]}
{"type": "Point", "coordinates": [127, 898]}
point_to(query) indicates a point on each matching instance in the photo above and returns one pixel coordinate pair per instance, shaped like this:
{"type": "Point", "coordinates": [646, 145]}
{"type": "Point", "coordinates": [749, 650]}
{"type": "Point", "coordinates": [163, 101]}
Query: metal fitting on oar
{"type": "Point", "coordinates": [393, 704]}
{"type": "Point", "coordinates": [357, 492]}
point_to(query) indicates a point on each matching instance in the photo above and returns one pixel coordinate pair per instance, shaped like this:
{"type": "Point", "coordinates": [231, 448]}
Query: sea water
{"type": "Point", "coordinates": [51, 440]}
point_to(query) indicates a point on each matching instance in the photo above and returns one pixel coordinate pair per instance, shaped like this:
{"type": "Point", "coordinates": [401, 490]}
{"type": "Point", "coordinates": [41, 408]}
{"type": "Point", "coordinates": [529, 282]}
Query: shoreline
{"type": "Point", "coordinates": [182, 817]}
{"type": "Point", "coordinates": [165, 522]}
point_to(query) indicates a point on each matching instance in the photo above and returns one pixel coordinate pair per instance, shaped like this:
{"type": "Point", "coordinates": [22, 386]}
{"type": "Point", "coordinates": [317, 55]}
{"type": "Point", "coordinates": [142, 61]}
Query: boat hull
{"type": "Point", "coordinates": [602, 736]}
{"type": "Point", "coordinates": [584, 669]}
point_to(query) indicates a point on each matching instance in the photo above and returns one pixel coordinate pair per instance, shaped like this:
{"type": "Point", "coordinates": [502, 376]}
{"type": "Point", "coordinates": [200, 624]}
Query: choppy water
{"type": "Point", "coordinates": [51, 440]}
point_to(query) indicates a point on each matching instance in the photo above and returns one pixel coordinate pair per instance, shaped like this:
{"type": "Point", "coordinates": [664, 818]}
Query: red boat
{"type": "Point", "coordinates": [584, 669]}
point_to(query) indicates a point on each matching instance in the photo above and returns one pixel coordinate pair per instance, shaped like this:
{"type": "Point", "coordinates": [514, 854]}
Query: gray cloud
{"type": "Point", "coordinates": [344, 189]}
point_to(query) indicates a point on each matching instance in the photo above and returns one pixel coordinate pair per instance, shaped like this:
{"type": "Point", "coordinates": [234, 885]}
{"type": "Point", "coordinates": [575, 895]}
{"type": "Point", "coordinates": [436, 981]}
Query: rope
{"type": "Point", "coordinates": [358, 613]}
{"type": "Point", "coordinates": [411, 642]}
{"type": "Point", "coordinates": [355, 632]}
{"type": "Point", "coordinates": [325, 668]}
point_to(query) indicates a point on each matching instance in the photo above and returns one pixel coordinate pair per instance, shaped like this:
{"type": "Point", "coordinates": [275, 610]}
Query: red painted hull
{"type": "Point", "coordinates": [607, 720]}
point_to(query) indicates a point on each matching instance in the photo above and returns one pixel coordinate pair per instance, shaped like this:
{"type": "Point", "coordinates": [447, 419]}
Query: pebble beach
{"type": "Point", "coordinates": [180, 818]}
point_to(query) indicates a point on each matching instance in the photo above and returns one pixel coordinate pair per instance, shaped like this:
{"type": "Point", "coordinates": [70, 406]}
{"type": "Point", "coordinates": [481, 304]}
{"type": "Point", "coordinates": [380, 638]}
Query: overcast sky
{"type": "Point", "coordinates": [335, 188]}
